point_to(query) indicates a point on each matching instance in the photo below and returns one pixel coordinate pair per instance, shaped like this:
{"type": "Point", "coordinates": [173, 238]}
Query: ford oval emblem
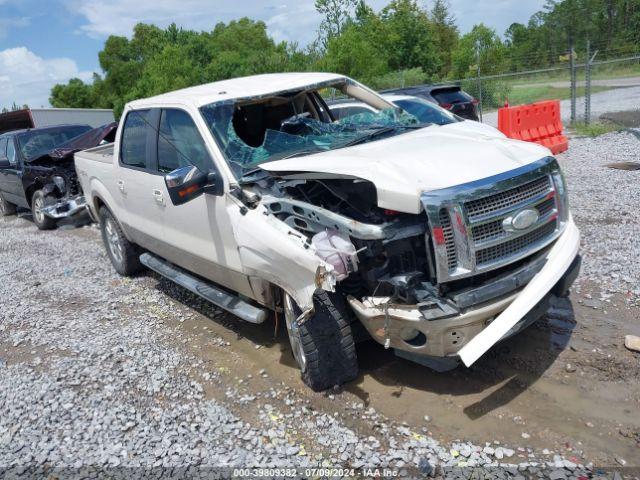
{"type": "Point", "coordinates": [521, 220]}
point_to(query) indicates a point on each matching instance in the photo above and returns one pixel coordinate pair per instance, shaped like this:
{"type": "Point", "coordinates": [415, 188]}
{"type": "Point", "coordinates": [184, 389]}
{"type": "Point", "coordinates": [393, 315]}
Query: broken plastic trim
{"type": "Point", "coordinates": [560, 258]}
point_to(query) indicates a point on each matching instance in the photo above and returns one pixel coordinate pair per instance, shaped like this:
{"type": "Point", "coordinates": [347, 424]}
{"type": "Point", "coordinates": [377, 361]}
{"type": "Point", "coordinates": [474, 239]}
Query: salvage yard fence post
{"type": "Point", "coordinates": [587, 84]}
{"type": "Point", "coordinates": [573, 79]}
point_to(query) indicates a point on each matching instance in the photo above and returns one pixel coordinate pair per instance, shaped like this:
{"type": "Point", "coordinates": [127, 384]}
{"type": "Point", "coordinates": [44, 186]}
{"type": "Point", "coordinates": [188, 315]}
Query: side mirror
{"type": "Point", "coordinates": [187, 183]}
{"type": "Point", "coordinates": [4, 162]}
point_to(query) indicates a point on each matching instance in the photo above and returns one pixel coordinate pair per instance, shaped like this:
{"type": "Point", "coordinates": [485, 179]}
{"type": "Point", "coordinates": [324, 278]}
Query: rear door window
{"type": "Point", "coordinates": [133, 148]}
{"type": "Point", "coordinates": [180, 143]}
{"type": "Point", "coordinates": [11, 152]}
{"type": "Point", "coordinates": [3, 147]}
{"type": "Point", "coordinates": [451, 96]}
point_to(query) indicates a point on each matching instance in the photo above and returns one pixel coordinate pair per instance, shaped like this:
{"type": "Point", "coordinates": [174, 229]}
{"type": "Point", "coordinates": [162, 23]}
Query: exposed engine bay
{"type": "Point", "coordinates": [389, 252]}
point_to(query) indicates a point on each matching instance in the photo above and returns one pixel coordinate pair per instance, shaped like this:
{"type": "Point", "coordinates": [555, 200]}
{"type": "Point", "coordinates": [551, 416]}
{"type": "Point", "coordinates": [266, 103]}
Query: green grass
{"type": "Point", "coordinates": [594, 129]}
{"type": "Point", "coordinates": [530, 94]}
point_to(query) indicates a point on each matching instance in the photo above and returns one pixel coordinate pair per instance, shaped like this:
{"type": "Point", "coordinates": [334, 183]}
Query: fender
{"type": "Point", "coordinates": [271, 250]}
{"type": "Point", "coordinates": [100, 192]}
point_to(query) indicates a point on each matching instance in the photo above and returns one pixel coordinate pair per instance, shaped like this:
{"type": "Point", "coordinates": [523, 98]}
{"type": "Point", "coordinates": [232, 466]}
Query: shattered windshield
{"type": "Point", "coordinates": [296, 125]}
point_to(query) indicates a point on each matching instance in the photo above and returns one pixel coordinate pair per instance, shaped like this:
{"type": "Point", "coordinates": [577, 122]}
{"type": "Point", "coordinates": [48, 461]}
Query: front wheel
{"type": "Point", "coordinates": [124, 255]}
{"type": "Point", "coordinates": [322, 344]}
{"type": "Point", "coordinates": [38, 202]}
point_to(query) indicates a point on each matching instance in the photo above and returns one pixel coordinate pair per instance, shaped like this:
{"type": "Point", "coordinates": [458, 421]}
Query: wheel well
{"type": "Point", "coordinates": [98, 203]}
{"type": "Point", "coordinates": [31, 189]}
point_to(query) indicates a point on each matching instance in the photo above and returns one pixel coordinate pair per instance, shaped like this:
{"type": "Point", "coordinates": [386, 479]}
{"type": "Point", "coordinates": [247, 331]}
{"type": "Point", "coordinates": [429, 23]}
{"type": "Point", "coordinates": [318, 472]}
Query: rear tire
{"type": "Point", "coordinates": [6, 208]}
{"type": "Point", "coordinates": [38, 201]}
{"type": "Point", "coordinates": [323, 344]}
{"type": "Point", "coordinates": [124, 255]}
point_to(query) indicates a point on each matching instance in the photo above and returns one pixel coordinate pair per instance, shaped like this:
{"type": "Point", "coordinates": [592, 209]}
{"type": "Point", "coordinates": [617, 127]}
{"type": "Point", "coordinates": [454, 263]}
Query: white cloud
{"type": "Point", "coordinates": [28, 78]}
{"type": "Point", "coordinates": [295, 21]}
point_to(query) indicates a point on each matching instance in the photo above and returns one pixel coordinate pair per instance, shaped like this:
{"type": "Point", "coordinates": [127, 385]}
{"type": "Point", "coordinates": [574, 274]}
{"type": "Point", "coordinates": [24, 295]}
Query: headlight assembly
{"type": "Point", "coordinates": [60, 183]}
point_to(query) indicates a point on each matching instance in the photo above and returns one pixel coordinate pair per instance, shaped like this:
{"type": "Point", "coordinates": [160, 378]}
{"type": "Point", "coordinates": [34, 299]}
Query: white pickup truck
{"type": "Point", "coordinates": [438, 239]}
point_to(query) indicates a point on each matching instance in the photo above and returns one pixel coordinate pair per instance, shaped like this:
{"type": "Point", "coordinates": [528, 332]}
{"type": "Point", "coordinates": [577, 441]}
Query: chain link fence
{"type": "Point", "coordinates": [574, 81]}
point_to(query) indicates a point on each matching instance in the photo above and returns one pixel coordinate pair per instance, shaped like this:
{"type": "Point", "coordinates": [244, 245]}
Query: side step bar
{"type": "Point", "coordinates": [206, 290]}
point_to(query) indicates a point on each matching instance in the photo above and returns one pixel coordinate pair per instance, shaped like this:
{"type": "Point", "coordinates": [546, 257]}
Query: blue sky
{"type": "Point", "coordinates": [43, 42]}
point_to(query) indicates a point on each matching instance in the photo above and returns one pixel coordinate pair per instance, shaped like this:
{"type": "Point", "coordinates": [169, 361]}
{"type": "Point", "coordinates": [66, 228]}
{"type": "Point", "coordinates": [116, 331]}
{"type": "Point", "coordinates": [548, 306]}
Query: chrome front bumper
{"type": "Point", "coordinates": [66, 208]}
{"type": "Point", "coordinates": [389, 323]}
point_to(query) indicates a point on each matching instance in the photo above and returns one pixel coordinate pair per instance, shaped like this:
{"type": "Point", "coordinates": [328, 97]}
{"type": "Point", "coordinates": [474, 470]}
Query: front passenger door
{"type": "Point", "coordinates": [198, 234]}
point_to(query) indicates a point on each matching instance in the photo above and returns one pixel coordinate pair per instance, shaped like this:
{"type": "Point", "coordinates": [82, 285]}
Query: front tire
{"type": "Point", "coordinates": [6, 208]}
{"type": "Point", "coordinates": [124, 255]}
{"type": "Point", "coordinates": [39, 201]}
{"type": "Point", "coordinates": [322, 344]}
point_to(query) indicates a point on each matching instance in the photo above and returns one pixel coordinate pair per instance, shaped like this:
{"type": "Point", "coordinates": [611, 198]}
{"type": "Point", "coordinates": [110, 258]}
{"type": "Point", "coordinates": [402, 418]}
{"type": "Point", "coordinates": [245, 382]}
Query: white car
{"type": "Point", "coordinates": [439, 240]}
{"type": "Point", "coordinates": [423, 110]}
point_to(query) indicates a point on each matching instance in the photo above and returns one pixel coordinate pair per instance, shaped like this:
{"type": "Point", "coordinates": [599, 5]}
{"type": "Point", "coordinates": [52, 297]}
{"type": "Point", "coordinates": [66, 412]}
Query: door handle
{"type": "Point", "coordinates": [157, 194]}
{"type": "Point", "coordinates": [120, 185]}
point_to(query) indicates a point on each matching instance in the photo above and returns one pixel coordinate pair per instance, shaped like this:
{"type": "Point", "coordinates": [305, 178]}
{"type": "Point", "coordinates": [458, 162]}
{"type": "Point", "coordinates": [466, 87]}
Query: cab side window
{"type": "Point", "coordinates": [11, 152]}
{"type": "Point", "coordinates": [133, 145]}
{"type": "Point", "coordinates": [180, 143]}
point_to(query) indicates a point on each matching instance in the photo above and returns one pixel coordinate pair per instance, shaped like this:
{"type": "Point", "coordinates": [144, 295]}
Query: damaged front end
{"type": "Point", "coordinates": [432, 272]}
{"type": "Point", "coordinates": [428, 285]}
{"type": "Point", "coordinates": [55, 174]}
{"type": "Point", "coordinates": [59, 183]}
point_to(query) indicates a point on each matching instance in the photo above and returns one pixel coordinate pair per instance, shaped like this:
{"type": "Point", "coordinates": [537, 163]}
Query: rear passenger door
{"type": "Point", "coordinates": [138, 184]}
{"type": "Point", "coordinates": [10, 175]}
{"type": "Point", "coordinates": [15, 172]}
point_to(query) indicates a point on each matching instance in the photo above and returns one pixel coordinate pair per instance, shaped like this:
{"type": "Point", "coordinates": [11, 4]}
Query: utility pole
{"type": "Point", "coordinates": [479, 79]}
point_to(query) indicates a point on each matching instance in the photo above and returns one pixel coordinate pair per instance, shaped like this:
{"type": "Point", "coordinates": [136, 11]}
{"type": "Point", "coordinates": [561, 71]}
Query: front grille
{"type": "Point", "coordinates": [514, 246]}
{"type": "Point", "coordinates": [493, 230]}
{"type": "Point", "coordinates": [508, 198]}
{"type": "Point", "coordinates": [488, 231]}
{"type": "Point", "coordinates": [450, 245]}
{"type": "Point", "coordinates": [546, 206]}
{"type": "Point", "coordinates": [470, 233]}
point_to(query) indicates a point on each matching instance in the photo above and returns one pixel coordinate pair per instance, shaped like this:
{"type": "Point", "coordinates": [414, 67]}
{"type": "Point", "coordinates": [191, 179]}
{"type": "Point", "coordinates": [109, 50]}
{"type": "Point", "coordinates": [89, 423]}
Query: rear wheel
{"type": "Point", "coordinates": [6, 208]}
{"type": "Point", "coordinates": [124, 255]}
{"type": "Point", "coordinates": [39, 201]}
{"type": "Point", "coordinates": [322, 344]}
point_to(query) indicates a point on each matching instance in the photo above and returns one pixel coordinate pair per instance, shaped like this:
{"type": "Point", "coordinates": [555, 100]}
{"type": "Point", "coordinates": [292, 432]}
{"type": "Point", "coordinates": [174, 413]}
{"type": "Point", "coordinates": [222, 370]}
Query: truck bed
{"type": "Point", "coordinates": [102, 153]}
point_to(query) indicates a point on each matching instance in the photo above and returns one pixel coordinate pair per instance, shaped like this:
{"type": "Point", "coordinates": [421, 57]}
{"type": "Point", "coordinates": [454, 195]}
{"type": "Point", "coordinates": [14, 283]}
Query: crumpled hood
{"type": "Point", "coordinates": [404, 166]}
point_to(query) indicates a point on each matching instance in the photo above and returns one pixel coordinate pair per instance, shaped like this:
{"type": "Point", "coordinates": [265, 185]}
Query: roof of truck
{"type": "Point", "coordinates": [243, 87]}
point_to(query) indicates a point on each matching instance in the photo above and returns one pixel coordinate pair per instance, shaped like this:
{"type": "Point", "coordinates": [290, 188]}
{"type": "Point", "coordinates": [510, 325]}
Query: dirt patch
{"type": "Point", "coordinates": [629, 119]}
{"type": "Point", "coordinates": [624, 165]}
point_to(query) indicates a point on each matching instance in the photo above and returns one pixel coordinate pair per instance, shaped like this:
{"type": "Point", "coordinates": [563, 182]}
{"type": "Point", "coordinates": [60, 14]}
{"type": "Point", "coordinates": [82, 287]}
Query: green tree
{"type": "Point", "coordinates": [409, 40]}
{"type": "Point", "coordinates": [74, 94]}
{"type": "Point", "coordinates": [485, 41]}
{"type": "Point", "coordinates": [357, 52]}
{"type": "Point", "coordinates": [445, 32]}
{"type": "Point", "coordinates": [336, 15]}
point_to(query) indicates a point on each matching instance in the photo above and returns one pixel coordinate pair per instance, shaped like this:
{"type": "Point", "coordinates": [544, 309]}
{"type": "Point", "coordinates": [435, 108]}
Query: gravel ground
{"type": "Point", "coordinates": [614, 100]}
{"type": "Point", "coordinates": [92, 376]}
{"type": "Point", "coordinates": [604, 202]}
{"type": "Point", "coordinates": [96, 372]}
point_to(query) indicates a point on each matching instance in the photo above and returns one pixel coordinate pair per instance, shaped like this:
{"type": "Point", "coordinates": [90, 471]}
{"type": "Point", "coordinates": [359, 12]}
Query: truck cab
{"type": "Point", "coordinates": [438, 241]}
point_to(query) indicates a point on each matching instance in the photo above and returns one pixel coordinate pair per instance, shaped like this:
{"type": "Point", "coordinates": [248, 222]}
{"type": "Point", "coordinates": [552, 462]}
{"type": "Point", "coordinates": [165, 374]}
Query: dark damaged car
{"type": "Point", "coordinates": [37, 170]}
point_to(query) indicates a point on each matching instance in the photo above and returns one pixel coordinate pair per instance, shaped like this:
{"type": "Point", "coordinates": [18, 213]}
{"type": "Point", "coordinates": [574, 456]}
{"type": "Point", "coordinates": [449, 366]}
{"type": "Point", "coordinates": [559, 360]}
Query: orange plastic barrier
{"type": "Point", "coordinates": [537, 122]}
